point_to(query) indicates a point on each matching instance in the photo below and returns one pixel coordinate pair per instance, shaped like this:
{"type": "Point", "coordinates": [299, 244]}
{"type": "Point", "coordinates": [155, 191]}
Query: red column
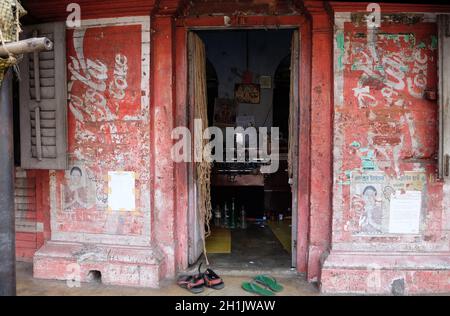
{"type": "Point", "coordinates": [162, 110]}
{"type": "Point", "coordinates": [321, 137]}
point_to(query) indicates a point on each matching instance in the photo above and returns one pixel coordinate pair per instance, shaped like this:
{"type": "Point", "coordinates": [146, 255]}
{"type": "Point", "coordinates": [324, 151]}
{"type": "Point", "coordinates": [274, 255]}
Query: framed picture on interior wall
{"type": "Point", "coordinates": [265, 82]}
{"type": "Point", "coordinates": [247, 93]}
{"type": "Point", "coordinates": [224, 112]}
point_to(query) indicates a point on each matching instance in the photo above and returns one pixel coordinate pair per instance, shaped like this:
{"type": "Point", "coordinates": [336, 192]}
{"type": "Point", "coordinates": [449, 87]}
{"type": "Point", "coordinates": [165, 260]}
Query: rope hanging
{"type": "Point", "coordinates": [10, 13]}
{"type": "Point", "coordinates": [203, 168]}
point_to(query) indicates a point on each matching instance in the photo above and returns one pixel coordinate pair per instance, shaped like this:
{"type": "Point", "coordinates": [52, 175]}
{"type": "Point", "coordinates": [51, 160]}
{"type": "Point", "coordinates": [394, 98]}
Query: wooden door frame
{"type": "Point", "coordinates": [182, 118]}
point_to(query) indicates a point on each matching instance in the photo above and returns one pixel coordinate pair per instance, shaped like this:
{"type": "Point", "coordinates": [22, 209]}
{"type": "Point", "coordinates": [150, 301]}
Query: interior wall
{"type": "Point", "coordinates": [226, 50]}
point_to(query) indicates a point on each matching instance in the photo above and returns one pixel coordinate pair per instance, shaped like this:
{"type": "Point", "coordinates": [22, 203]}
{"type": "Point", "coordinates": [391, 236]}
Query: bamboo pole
{"type": "Point", "coordinates": [26, 46]}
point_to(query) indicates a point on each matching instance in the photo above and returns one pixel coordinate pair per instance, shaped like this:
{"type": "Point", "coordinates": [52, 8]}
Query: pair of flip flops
{"type": "Point", "coordinates": [271, 286]}
{"type": "Point", "coordinates": [197, 283]}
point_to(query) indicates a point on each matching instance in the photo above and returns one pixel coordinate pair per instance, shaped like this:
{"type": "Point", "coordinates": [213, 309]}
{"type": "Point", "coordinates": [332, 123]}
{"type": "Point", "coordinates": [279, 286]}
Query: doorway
{"type": "Point", "coordinates": [245, 78]}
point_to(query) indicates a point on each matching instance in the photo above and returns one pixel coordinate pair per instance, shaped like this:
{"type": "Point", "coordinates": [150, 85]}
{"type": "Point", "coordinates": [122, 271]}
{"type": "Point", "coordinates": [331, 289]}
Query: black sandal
{"type": "Point", "coordinates": [212, 280]}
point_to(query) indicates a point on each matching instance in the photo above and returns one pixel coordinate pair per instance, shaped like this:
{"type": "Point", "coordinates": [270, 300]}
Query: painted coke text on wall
{"type": "Point", "coordinates": [108, 70]}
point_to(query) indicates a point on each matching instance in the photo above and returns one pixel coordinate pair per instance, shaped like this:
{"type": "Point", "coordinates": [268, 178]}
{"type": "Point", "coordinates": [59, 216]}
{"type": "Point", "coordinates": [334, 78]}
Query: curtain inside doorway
{"type": "Point", "coordinates": [203, 168]}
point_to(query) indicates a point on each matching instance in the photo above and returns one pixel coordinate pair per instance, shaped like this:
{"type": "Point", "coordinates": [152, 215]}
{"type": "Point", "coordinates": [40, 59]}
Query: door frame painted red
{"type": "Point", "coordinates": [298, 22]}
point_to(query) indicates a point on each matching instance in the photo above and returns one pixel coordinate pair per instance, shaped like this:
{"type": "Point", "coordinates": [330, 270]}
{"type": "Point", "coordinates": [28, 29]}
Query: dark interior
{"type": "Point", "coordinates": [235, 57]}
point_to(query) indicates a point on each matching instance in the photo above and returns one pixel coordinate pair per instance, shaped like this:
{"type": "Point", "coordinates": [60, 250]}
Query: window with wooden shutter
{"type": "Point", "coordinates": [43, 101]}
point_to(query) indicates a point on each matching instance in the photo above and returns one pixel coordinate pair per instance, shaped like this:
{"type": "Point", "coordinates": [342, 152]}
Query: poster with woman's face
{"type": "Point", "coordinates": [371, 218]}
{"type": "Point", "coordinates": [78, 191]}
{"type": "Point", "coordinates": [367, 203]}
{"type": "Point", "coordinates": [371, 196]}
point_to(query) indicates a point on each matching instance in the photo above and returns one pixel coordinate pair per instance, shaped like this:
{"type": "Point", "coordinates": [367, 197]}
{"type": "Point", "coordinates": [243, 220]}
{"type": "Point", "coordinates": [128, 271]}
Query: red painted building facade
{"type": "Point", "coordinates": [364, 126]}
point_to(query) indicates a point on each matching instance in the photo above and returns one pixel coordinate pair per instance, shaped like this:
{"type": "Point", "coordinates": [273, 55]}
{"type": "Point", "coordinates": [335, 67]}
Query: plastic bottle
{"type": "Point", "coordinates": [243, 218]}
{"type": "Point", "coordinates": [226, 217]}
{"type": "Point", "coordinates": [217, 217]}
{"type": "Point", "coordinates": [233, 215]}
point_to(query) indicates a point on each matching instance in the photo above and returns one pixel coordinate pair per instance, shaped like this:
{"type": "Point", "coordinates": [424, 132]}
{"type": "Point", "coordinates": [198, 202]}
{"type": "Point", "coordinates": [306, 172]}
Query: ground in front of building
{"type": "Point", "coordinates": [28, 286]}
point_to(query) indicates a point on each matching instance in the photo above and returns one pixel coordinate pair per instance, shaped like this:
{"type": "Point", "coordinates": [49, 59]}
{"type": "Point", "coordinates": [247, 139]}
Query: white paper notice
{"type": "Point", "coordinates": [121, 193]}
{"type": "Point", "coordinates": [404, 212]}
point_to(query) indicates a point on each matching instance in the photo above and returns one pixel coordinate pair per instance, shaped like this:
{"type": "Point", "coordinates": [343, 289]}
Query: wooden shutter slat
{"type": "Point", "coordinates": [45, 73]}
{"type": "Point", "coordinates": [43, 123]}
{"type": "Point", "coordinates": [45, 105]}
{"type": "Point", "coordinates": [45, 82]}
{"type": "Point", "coordinates": [23, 183]}
{"type": "Point", "coordinates": [47, 55]}
{"type": "Point", "coordinates": [45, 132]}
{"type": "Point", "coordinates": [21, 200]}
{"type": "Point", "coordinates": [23, 192]}
{"type": "Point", "coordinates": [45, 115]}
{"type": "Point", "coordinates": [24, 206]}
{"type": "Point", "coordinates": [45, 93]}
{"type": "Point", "coordinates": [45, 141]}
{"type": "Point", "coordinates": [44, 64]}
{"type": "Point", "coordinates": [47, 151]}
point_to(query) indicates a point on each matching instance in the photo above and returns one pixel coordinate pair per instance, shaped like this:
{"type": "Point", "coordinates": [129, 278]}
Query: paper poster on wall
{"type": "Point", "coordinates": [368, 200]}
{"type": "Point", "coordinates": [384, 205]}
{"type": "Point", "coordinates": [404, 212]}
{"type": "Point", "coordinates": [77, 190]}
{"type": "Point", "coordinates": [121, 191]}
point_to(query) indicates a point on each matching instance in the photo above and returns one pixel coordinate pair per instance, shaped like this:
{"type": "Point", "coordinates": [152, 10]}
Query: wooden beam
{"type": "Point", "coordinates": [30, 45]}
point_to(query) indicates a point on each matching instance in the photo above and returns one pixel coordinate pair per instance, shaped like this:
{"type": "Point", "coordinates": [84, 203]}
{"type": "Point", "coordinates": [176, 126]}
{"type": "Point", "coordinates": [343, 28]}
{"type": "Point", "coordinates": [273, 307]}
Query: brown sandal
{"type": "Point", "coordinates": [192, 283]}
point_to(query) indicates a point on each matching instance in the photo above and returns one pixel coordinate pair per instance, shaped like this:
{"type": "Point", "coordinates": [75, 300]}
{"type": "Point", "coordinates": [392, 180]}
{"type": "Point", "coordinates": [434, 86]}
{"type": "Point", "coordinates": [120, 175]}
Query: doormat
{"type": "Point", "coordinates": [282, 230]}
{"type": "Point", "coordinates": [219, 241]}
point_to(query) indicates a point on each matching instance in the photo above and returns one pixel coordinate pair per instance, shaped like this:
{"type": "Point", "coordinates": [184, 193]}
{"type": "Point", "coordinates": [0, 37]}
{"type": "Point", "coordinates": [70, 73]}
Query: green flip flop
{"type": "Point", "coordinates": [270, 282]}
{"type": "Point", "coordinates": [255, 288]}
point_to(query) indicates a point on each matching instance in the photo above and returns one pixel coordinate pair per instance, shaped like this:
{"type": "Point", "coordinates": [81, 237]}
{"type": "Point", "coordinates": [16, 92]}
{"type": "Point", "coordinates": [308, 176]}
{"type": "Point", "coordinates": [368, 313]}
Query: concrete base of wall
{"type": "Point", "coordinates": [116, 265]}
{"type": "Point", "coordinates": [386, 273]}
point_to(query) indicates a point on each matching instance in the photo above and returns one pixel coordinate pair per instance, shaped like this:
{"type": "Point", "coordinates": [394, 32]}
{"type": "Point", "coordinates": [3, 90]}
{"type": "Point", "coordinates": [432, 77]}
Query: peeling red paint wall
{"type": "Point", "coordinates": [108, 67]}
{"type": "Point", "coordinates": [385, 123]}
{"type": "Point", "coordinates": [108, 131]}
{"type": "Point", "coordinates": [385, 148]}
